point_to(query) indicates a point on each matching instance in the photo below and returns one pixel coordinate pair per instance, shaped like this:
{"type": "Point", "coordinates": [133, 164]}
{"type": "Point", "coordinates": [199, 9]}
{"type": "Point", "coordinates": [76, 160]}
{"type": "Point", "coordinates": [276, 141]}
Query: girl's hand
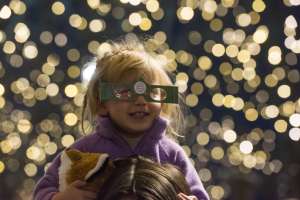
{"type": "Point", "coordinates": [75, 192]}
{"type": "Point", "coordinates": [182, 196]}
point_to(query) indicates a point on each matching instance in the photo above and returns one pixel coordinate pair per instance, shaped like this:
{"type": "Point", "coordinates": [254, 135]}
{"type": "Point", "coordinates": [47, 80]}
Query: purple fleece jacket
{"type": "Point", "coordinates": [154, 144]}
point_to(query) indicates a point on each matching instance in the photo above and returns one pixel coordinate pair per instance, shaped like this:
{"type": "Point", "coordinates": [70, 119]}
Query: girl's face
{"type": "Point", "coordinates": [133, 118]}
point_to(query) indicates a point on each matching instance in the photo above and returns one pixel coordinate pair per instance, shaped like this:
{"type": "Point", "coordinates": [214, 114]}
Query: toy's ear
{"type": "Point", "coordinates": [73, 154]}
{"type": "Point", "coordinates": [102, 161]}
{"type": "Point", "coordinates": [101, 175]}
{"type": "Point", "coordinates": [65, 166]}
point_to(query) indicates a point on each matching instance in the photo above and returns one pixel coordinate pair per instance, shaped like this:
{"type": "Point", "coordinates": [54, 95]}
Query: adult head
{"type": "Point", "coordinates": [142, 179]}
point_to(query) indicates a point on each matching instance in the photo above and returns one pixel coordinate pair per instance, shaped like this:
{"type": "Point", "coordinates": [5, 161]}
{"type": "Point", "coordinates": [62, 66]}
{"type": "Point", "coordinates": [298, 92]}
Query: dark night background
{"type": "Point", "coordinates": [237, 182]}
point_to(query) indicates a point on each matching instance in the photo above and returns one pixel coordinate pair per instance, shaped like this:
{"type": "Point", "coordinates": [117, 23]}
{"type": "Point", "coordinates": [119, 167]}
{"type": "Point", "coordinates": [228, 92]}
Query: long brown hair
{"type": "Point", "coordinates": [144, 179]}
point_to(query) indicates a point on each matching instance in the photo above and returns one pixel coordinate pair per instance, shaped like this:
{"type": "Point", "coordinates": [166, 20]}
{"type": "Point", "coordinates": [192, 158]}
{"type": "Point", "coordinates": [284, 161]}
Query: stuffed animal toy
{"type": "Point", "coordinates": [94, 168]}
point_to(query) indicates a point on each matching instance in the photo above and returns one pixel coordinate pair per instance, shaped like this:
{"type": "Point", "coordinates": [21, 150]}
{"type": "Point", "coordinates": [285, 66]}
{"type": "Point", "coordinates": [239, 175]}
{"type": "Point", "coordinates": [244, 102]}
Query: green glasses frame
{"type": "Point", "coordinates": [129, 92]}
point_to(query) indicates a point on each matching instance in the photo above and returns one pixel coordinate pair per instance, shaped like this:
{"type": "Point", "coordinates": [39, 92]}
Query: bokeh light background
{"type": "Point", "coordinates": [236, 61]}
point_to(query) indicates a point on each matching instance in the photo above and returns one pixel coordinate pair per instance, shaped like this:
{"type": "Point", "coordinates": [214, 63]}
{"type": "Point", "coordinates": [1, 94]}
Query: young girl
{"type": "Point", "coordinates": [134, 104]}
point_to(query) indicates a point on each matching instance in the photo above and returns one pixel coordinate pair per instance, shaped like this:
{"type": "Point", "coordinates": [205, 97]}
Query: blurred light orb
{"type": "Point", "coordinates": [96, 25]}
{"type": "Point", "coordinates": [238, 104]}
{"type": "Point", "coordinates": [280, 126]}
{"type": "Point", "coordinates": [243, 19]}
{"type": "Point", "coordinates": [232, 51]}
{"type": "Point", "coordinates": [2, 167]}
{"type": "Point", "coordinates": [71, 90]}
{"type": "Point", "coordinates": [251, 114]}
{"type": "Point", "coordinates": [244, 56]}
{"type": "Point", "coordinates": [24, 126]}
{"type": "Point", "coordinates": [22, 32]}
{"type": "Point", "coordinates": [228, 101]}
{"type": "Point", "coordinates": [217, 153]}
{"type": "Point", "coordinates": [58, 8]}
{"type": "Point", "coordinates": [30, 51]}
{"type": "Point", "coordinates": [229, 136]}
{"type": "Point", "coordinates": [218, 50]}
{"type": "Point", "coordinates": [135, 19]}
{"type": "Point", "coordinates": [33, 152]}
{"type": "Point", "coordinates": [75, 20]}
{"type": "Point", "coordinates": [186, 13]}
{"type": "Point", "coordinates": [18, 7]}
{"type": "Point", "coordinates": [284, 91]}
{"type": "Point", "coordinates": [296, 47]}
{"type": "Point", "coordinates": [258, 6]}
{"type": "Point", "coordinates": [249, 161]}
{"type": "Point", "coordinates": [228, 3]}
{"type": "Point", "coordinates": [134, 2]}
{"type": "Point", "coordinates": [9, 47]}
{"type": "Point", "coordinates": [210, 6]}
{"type": "Point", "coordinates": [5, 12]}
{"type": "Point", "coordinates": [6, 146]}
{"type": "Point", "coordinates": [249, 73]}
{"type": "Point", "coordinates": [274, 55]}
{"type": "Point", "coordinates": [217, 192]}
{"type": "Point", "coordinates": [261, 34]}
{"type": "Point", "coordinates": [294, 134]}
{"type": "Point", "coordinates": [52, 89]}
{"type": "Point", "coordinates": [145, 24]}
{"type": "Point", "coordinates": [15, 141]}
{"type": "Point", "coordinates": [204, 63]}
{"type": "Point", "coordinates": [246, 147]}
{"type": "Point", "coordinates": [60, 39]}
{"type": "Point", "coordinates": [205, 174]}
{"type": "Point", "coordinates": [51, 148]}
{"type": "Point", "coordinates": [2, 89]}
{"type": "Point", "coordinates": [30, 169]}
{"type": "Point", "coordinates": [218, 99]}
{"type": "Point", "coordinates": [202, 138]}
{"type": "Point", "coordinates": [2, 36]}
{"type": "Point", "coordinates": [191, 100]}
{"type": "Point", "coordinates": [272, 111]}
{"type": "Point", "coordinates": [291, 22]}
{"type": "Point", "coordinates": [71, 119]}
{"type": "Point", "coordinates": [295, 120]}
{"type": "Point", "coordinates": [124, 1]}
{"type": "Point", "coordinates": [294, 2]}
{"type": "Point", "coordinates": [67, 140]}
{"type": "Point", "coordinates": [229, 36]}
{"type": "Point", "coordinates": [94, 4]}
{"type": "Point", "coordinates": [2, 102]}
{"type": "Point", "coordinates": [152, 5]}
{"type": "Point", "coordinates": [289, 42]}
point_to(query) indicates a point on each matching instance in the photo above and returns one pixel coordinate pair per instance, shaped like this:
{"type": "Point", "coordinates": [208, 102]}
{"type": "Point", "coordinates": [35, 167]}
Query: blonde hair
{"type": "Point", "coordinates": [118, 60]}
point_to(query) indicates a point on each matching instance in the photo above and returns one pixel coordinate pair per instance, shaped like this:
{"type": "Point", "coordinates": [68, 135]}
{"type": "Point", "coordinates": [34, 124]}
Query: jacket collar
{"type": "Point", "coordinates": [106, 128]}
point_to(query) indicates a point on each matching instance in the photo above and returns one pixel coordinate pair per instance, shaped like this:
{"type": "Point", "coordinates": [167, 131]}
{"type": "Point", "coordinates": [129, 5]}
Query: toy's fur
{"type": "Point", "coordinates": [93, 168]}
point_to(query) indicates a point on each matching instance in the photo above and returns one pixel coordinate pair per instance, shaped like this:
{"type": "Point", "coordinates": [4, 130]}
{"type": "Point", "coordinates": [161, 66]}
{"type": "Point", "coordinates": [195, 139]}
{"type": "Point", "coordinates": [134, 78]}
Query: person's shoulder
{"type": "Point", "coordinates": [85, 141]}
{"type": "Point", "coordinates": [173, 151]}
{"type": "Point", "coordinates": [169, 145]}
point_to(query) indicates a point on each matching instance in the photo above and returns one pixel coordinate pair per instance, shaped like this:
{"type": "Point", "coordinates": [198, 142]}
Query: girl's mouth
{"type": "Point", "coordinates": [139, 115]}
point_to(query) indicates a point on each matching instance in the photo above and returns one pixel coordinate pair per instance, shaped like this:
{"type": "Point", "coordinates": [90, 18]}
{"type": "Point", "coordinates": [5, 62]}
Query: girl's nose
{"type": "Point", "coordinates": [140, 100]}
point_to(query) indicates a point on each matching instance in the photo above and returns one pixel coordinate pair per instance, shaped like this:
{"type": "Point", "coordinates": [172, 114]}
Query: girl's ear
{"type": "Point", "coordinates": [102, 109]}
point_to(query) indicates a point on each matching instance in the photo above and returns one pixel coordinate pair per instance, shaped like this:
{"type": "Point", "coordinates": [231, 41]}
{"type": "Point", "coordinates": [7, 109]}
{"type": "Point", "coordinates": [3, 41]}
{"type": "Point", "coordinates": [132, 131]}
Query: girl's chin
{"type": "Point", "coordinates": [138, 118]}
{"type": "Point", "coordinates": [137, 130]}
